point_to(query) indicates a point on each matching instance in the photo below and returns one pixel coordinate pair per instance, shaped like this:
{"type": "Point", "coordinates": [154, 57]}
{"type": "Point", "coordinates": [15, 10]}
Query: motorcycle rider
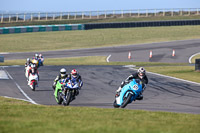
{"type": "Point", "coordinates": [28, 62]}
{"type": "Point", "coordinates": [75, 76]}
{"type": "Point", "coordinates": [62, 75]}
{"type": "Point", "coordinates": [41, 59]}
{"type": "Point", "coordinates": [33, 70]}
{"type": "Point", "coordinates": [140, 74]}
{"type": "Point", "coordinates": [36, 57]}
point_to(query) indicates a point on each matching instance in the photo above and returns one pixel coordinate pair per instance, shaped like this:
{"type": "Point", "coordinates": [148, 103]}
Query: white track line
{"type": "Point", "coordinates": [171, 77]}
{"type": "Point", "coordinates": [30, 100]}
{"type": "Point", "coordinates": [16, 98]}
{"type": "Point", "coordinates": [108, 58]}
{"type": "Point", "coordinates": [190, 59]}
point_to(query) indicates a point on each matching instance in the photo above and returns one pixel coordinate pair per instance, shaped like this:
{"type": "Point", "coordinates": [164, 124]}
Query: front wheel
{"type": "Point", "coordinates": [126, 100]}
{"type": "Point", "coordinates": [115, 104]}
{"type": "Point", "coordinates": [67, 98]}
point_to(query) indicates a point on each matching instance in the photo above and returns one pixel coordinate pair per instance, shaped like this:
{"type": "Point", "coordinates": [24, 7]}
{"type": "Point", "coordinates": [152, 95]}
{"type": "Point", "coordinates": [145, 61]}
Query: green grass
{"type": "Point", "coordinates": [182, 72]}
{"type": "Point", "coordinates": [85, 21]}
{"type": "Point", "coordinates": [44, 41]}
{"type": "Point", "coordinates": [18, 116]}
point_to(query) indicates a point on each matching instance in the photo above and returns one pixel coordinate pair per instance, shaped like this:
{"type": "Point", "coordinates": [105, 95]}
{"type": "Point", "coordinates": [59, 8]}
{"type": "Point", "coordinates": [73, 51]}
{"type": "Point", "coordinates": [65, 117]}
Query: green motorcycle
{"type": "Point", "coordinates": [58, 92]}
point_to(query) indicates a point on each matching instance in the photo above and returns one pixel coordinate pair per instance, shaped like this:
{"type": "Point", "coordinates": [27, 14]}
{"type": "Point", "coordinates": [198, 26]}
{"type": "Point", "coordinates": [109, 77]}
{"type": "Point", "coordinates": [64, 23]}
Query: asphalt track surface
{"type": "Point", "coordinates": [101, 82]}
{"type": "Point", "coordinates": [162, 52]}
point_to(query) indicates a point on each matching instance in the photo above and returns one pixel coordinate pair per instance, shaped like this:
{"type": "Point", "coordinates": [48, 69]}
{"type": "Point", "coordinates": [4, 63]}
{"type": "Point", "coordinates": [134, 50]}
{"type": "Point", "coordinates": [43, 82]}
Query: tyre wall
{"type": "Point", "coordinates": [142, 24]}
{"type": "Point", "coordinates": [40, 28]}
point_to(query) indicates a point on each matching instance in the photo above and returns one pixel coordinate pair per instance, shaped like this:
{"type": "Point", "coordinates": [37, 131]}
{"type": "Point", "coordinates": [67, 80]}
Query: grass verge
{"type": "Point", "coordinates": [23, 117]}
{"type": "Point", "coordinates": [44, 41]}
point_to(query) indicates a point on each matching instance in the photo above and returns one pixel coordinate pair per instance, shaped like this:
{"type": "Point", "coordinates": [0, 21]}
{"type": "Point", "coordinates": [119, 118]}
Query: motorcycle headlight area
{"type": "Point", "coordinates": [135, 87]}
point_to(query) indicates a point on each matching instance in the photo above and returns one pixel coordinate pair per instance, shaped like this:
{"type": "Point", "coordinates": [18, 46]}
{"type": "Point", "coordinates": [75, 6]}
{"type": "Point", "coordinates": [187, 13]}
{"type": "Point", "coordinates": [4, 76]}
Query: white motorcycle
{"type": "Point", "coordinates": [27, 68]}
{"type": "Point", "coordinates": [33, 81]}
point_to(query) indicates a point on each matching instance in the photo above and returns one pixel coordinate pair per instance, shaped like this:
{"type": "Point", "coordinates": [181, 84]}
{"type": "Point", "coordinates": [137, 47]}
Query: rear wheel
{"type": "Point", "coordinates": [33, 86]}
{"type": "Point", "coordinates": [126, 100]}
{"type": "Point", "coordinates": [59, 98]}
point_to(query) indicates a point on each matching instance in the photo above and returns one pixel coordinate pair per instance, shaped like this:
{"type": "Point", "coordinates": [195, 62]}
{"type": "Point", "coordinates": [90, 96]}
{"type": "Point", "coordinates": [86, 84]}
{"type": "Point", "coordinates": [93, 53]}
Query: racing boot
{"type": "Point", "coordinates": [139, 97]}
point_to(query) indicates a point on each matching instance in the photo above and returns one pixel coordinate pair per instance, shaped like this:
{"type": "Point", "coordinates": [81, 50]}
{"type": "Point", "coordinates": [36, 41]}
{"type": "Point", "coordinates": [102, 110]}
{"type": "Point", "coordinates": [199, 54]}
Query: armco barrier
{"type": "Point", "coordinates": [141, 24]}
{"type": "Point", "coordinates": [40, 28]}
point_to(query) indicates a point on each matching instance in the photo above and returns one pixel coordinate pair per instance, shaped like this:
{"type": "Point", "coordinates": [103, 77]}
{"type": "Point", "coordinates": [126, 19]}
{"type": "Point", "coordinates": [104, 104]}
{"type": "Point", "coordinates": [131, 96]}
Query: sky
{"type": "Point", "coordinates": [92, 5]}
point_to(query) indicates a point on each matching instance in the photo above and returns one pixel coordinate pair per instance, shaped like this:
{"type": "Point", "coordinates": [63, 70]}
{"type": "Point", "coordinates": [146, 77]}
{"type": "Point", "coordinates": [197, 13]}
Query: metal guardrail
{"type": "Point", "coordinates": [41, 16]}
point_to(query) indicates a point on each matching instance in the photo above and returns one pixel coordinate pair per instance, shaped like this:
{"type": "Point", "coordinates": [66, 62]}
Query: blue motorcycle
{"type": "Point", "coordinates": [128, 94]}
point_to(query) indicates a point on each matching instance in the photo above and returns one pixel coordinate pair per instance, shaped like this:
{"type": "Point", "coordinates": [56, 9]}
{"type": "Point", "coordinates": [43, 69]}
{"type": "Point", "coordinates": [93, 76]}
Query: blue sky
{"type": "Point", "coordinates": [92, 5]}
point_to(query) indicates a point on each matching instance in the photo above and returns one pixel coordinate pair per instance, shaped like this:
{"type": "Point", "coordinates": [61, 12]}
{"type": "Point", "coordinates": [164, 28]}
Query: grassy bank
{"type": "Point", "coordinates": [44, 41]}
{"type": "Point", "coordinates": [19, 116]}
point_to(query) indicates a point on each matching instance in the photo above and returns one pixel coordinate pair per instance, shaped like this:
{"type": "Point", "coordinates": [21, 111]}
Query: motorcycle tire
{"type": "Point", "coordinates": [33, 86]}
{"type": "Point", "coordinates": [115, 104]}
{"type": "Point", "coordinates": [68, 98]}
{"type": "Point", "coordinates": [59, 98]}
{"type": "Point", "coordinates": [126, 101]}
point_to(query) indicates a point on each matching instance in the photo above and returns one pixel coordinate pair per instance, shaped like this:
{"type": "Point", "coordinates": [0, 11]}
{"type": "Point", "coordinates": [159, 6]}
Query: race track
{"type": "Point", "coordinates": [101, 82]}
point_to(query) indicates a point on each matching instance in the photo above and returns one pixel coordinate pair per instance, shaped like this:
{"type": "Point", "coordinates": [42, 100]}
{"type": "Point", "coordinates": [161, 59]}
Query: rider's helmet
{"type": "Point", "coordinates": [74, 73]}
{"type": "Point", "coordinates": [40, 55]}
{"type": "Point", "coordinates": [36, 56]}
{"type": "Point", "coordinates": [141, 72]}
{"type": "Point", "coordinates": [33, 67]}
{"type": "Point", "coordinates": [28, 60]}
{"type": "Point", "coordinates": [63, 72]}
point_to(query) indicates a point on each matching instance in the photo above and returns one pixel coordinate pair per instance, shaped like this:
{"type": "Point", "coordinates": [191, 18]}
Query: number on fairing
{"type": "Point", "coordinates": [135, 87]}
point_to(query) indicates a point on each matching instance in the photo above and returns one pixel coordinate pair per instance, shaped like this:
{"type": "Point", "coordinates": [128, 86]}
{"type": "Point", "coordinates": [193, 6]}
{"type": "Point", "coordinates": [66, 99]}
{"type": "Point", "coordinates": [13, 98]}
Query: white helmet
{"type": "Point", "coordinates": [63, 72]}
{"type": "Point", "coordinates": [141, 72]}
{"type": "Point", "coordinates": [36, 55]}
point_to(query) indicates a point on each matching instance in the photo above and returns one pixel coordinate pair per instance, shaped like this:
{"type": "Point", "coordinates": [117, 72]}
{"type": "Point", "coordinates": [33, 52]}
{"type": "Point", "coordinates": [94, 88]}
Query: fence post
{"type": "Point", "coordinates": [61, 16]}
{"type": "Point", "coordinates": [163, 12]}
{"type": "Point", "coordinates": [189, 10]}
{"type": "Point", "coordinates": [146, 12]}
{"type": "Point", "coordinates": [138, 12]}
{"type": "Point", "coordinates": [90, 15]}
{"type": "Point", "coordinates": [181, 12]}
{"type": "Point", "coordinates": [197, 11]}
{"type": "Point", "coordinates": [68, 16]}
{"type": "Point", "coordinates": [31, 17]}
{"type": "Point", "coordinates": [130, 13]}
{"type": "Point", "coordinates": [113, 13]}
{"type": "Point", "coordinates": [172, 12]}
{"type": "Point", "coordinates": [53, 16]}
{"type": "Point", "coordinates": [105, 14]}
{"type": "Point", "coordinates": [2, 18]}
{"type": "Point", "coordinates": [97, 14]}
{"type": "Point", "coordinates": [82, 15]}
{"type": "Point", "coordinates": [38, 16]}
{"type": "Point", "coordinates": [46, 16]}
{"type": "Point", "coordinates": [16, 17]}
{"type": "Point", "coordinates": [9, 18]}
{"type": "Point", "coordinates": [75, 16]}
{"type": "Point", "coordinates": [122, 14]}
{"type": "Point", "coordinates": [155, 12]}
